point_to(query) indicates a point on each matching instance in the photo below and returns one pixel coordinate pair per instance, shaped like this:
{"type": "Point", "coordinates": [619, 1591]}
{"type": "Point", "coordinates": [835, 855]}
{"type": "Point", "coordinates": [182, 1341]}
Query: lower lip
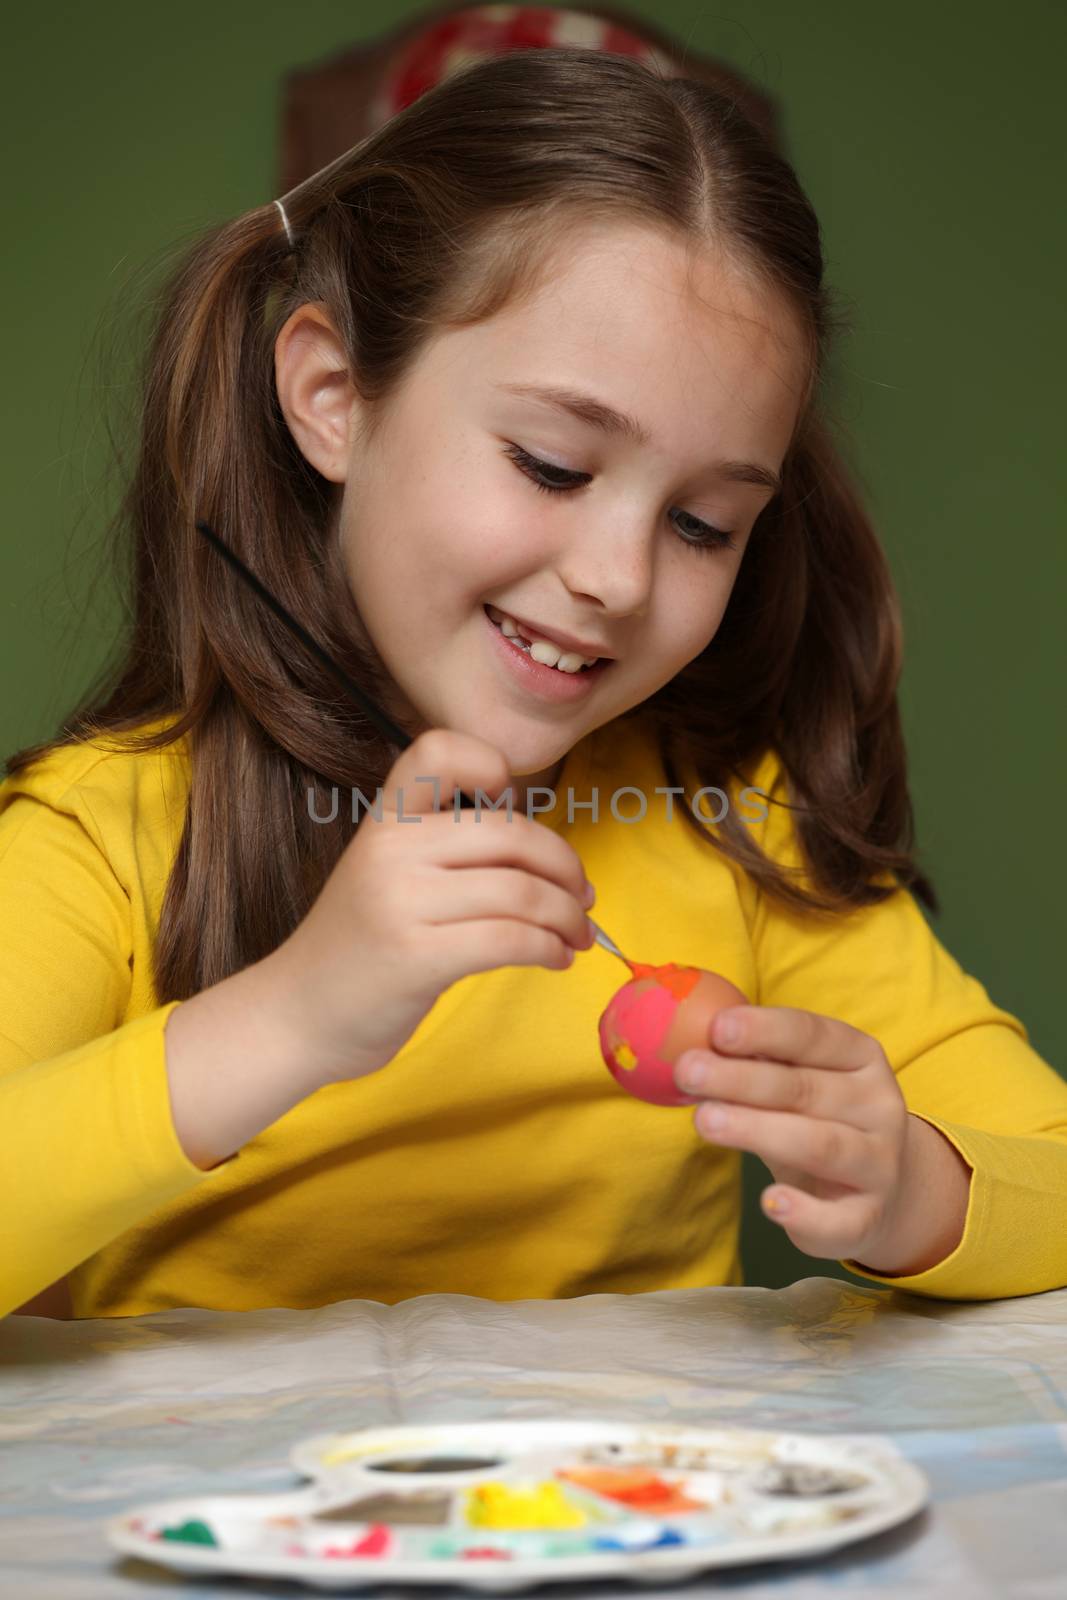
{"type": "Point", "coordinates": [548, 682]}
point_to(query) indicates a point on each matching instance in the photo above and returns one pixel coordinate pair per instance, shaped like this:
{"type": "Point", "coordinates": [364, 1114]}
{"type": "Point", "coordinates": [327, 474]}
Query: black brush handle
{"type": "Point", "coordinates": [383, 723]}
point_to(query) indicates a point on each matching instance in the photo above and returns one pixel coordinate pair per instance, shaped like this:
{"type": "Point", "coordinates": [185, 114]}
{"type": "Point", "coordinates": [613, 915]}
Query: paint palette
{"type": "Point", "coordinates": [503, 1505]}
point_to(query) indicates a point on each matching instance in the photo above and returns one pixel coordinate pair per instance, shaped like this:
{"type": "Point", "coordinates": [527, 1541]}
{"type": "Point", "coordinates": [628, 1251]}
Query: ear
{"type": "Point", "coordinates": [314, 389]}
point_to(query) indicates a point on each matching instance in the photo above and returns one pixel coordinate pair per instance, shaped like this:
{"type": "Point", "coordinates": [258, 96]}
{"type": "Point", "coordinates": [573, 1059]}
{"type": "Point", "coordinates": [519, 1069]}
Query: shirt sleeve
{"type": "Point", "coordinates": [963, 1064]}
{"type": "Point", "coordinates": [87, 1141]}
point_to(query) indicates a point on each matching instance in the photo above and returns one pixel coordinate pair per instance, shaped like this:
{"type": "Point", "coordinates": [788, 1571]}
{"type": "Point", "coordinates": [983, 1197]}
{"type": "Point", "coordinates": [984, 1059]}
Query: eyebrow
{"type": "Point", "coordinates": [598, 414]}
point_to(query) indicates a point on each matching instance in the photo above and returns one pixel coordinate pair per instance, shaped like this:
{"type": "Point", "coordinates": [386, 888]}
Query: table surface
{"type": "Point", "coordinates": [98, 1415]}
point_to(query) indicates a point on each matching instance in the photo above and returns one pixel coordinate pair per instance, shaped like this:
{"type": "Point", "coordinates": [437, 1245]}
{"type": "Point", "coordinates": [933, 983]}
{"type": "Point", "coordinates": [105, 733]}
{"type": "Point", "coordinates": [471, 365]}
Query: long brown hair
{"type": "Point", "coordinates": [440, 218]}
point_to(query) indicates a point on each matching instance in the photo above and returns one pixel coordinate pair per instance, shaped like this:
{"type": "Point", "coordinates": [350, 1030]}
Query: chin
{"type": "Point", "coordinates": [541, 767]}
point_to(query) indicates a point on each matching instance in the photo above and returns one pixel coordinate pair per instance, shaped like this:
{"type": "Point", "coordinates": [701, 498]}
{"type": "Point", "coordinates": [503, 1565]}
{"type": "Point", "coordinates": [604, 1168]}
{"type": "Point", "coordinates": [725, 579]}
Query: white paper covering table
{"type": "Point", "coordinates": [98, 1415]}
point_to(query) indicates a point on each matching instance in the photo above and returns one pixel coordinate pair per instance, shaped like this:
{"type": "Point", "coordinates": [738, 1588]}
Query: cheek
{"type": "Point", "coordinates": [490, 545]}
{"type": "Point", "coordinates": [689, 613]}
{"type": "Point", "coordinates": [508, 529]}
{"type": "Point", "coordinates": [468, 530]}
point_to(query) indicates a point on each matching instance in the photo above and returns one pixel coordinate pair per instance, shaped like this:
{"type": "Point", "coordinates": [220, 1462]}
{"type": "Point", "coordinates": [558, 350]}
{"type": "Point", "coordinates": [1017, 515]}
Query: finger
{"type": "Point", "coordinates": [425, 776]}
{"type": "Point", "coordinates": [487, 838]}
{"type": "Point", "coordinates": [496, 942]}
{"type": "Point", "coordinates": [785, 1033]}
{"type": "Point", "coordinates": [833, 1229]}
{"type": "Point", "coordinates": [781, 1086]}
{"type": "Point", "coordinates": [480, 892]}
{"type": "Point", "coordinates": [829, 1150]}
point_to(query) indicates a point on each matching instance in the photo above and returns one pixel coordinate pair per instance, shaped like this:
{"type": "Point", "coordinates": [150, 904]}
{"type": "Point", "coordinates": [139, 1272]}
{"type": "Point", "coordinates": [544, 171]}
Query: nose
{"type": "Point", "coordinates": [611, 566]}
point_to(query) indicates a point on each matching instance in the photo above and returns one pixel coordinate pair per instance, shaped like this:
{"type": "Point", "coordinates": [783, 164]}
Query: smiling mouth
{"type": "Point", "coordinates": [525, 645]}
{"type": "Point", "coordinates": [527, 648]}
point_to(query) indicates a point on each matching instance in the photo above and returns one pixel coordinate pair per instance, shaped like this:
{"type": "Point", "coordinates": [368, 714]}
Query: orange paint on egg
{"type": "Point", "coordinates": [676, 980]}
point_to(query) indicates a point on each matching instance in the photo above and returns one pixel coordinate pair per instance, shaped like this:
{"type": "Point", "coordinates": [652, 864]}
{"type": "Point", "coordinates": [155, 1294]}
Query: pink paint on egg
{"type": "Point", "coordinates": [648, 1023]}
{"type": "Point", "coordinates": [640, 1018]}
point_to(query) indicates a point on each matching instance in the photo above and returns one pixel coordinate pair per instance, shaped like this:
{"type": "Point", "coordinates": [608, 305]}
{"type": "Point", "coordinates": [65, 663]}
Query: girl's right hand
{"type": "Point", "coordinates": [413, 905]}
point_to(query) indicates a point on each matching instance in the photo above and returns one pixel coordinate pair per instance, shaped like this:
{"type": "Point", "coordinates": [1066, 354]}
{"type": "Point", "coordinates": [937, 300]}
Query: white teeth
{"type": "Point", "coordinates": [549, 655]}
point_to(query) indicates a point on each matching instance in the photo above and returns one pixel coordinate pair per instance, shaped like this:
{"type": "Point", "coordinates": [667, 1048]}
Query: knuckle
{"type": "Point", "coordinates": [490, 753]}
{"type": "Point", "coordinates": [801, 1096]}
{"type": "Point", "coordinates": [529, 897]}
{"type": "Point", "coordinates": [812, 1027]}
{"type": "Point", "coordinates": [831, 1146]}
{"type": "Point", "coordinates": [431, 746]}
{"type": "Point", "coordinates": [889, 1119]}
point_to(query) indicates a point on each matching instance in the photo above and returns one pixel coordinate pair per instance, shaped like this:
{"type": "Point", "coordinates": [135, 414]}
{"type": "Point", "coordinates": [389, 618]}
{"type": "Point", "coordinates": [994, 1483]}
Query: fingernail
{"type": "Point", "coordinates": [778, 1203]}
{"type": "Point", "coordinates": [588, 894]}
{"type": "Point", "coordinates": [713, 1118]}
{"type": "Point", "coordinates": [693, 1077]}
{"type": "Point", "coordinates": [591, 931]}
{"type": "Point", "coordinates": [727, 1030]}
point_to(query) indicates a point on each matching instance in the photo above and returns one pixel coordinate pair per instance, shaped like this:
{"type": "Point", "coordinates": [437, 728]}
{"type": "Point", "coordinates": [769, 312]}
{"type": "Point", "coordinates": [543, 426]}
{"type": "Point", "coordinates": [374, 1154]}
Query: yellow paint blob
{"type": "Point", "coordinates": [625, 1057]}
{"type": "Point", "coordinates": [494, 1505]}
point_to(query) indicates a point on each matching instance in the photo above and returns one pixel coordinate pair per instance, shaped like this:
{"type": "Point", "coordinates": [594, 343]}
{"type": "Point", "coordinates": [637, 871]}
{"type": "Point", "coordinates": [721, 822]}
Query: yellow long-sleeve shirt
{"type": "Point", "coordinates": [519, 1171]}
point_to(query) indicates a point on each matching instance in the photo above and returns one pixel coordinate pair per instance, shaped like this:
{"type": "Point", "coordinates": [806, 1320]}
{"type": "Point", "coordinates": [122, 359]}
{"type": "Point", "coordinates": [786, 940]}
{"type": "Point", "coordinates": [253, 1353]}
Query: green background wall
{"type": "Point", "coordinates": [928, 137]}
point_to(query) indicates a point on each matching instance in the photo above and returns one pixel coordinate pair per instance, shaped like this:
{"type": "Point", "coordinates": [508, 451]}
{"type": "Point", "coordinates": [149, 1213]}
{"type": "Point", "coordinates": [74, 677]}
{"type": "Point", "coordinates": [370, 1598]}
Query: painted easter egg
{"type": "Point", "coordinates": [651, 1020]}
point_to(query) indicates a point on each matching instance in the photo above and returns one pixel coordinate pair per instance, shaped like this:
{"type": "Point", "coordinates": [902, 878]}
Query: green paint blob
{"type": "Point", "coordinates": [192, 1532]}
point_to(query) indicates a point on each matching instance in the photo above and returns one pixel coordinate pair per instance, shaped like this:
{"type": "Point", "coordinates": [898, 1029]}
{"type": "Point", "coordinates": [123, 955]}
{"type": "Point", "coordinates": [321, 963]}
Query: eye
{"type": "Point", "coordinates": [702, 537]}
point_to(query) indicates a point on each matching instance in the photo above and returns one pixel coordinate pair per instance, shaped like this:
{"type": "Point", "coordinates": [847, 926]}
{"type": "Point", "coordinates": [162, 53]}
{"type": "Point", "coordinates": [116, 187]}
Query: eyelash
{"type": "Point", "coordinates": [528, 465]}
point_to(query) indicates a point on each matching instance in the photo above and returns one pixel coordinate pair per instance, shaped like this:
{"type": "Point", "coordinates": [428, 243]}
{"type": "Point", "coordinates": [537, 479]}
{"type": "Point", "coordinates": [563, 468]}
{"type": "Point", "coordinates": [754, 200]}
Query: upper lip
{"type": "Point", "coordinates": [566, 641]}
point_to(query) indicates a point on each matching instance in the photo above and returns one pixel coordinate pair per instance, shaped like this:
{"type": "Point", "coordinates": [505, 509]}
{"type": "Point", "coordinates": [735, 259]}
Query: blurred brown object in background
{"type": "Point", "coordinates": [328, 108]}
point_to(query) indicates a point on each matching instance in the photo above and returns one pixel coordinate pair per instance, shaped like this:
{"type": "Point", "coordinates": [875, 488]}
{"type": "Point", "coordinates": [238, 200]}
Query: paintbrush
{"type": "Point", "coordinates": [382, 722]}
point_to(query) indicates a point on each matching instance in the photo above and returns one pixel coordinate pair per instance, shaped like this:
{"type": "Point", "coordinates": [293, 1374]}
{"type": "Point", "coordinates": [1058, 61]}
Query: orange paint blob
{"type": "Point", "coordinates": [635, 1487]}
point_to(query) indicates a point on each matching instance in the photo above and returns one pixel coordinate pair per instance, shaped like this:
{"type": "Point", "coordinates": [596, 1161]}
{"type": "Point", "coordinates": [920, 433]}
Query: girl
{"type": "Point", "coordinates": [537, 365]}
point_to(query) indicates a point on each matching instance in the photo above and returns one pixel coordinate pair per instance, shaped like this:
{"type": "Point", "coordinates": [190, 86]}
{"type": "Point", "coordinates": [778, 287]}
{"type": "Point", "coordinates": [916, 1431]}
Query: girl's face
{"type": "Point", "coordinates": [443, 527]}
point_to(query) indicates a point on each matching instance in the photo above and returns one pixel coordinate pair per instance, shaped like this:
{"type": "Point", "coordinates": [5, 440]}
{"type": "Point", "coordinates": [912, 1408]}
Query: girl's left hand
{"type": "Point", "coordinates": [818, 1102]}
